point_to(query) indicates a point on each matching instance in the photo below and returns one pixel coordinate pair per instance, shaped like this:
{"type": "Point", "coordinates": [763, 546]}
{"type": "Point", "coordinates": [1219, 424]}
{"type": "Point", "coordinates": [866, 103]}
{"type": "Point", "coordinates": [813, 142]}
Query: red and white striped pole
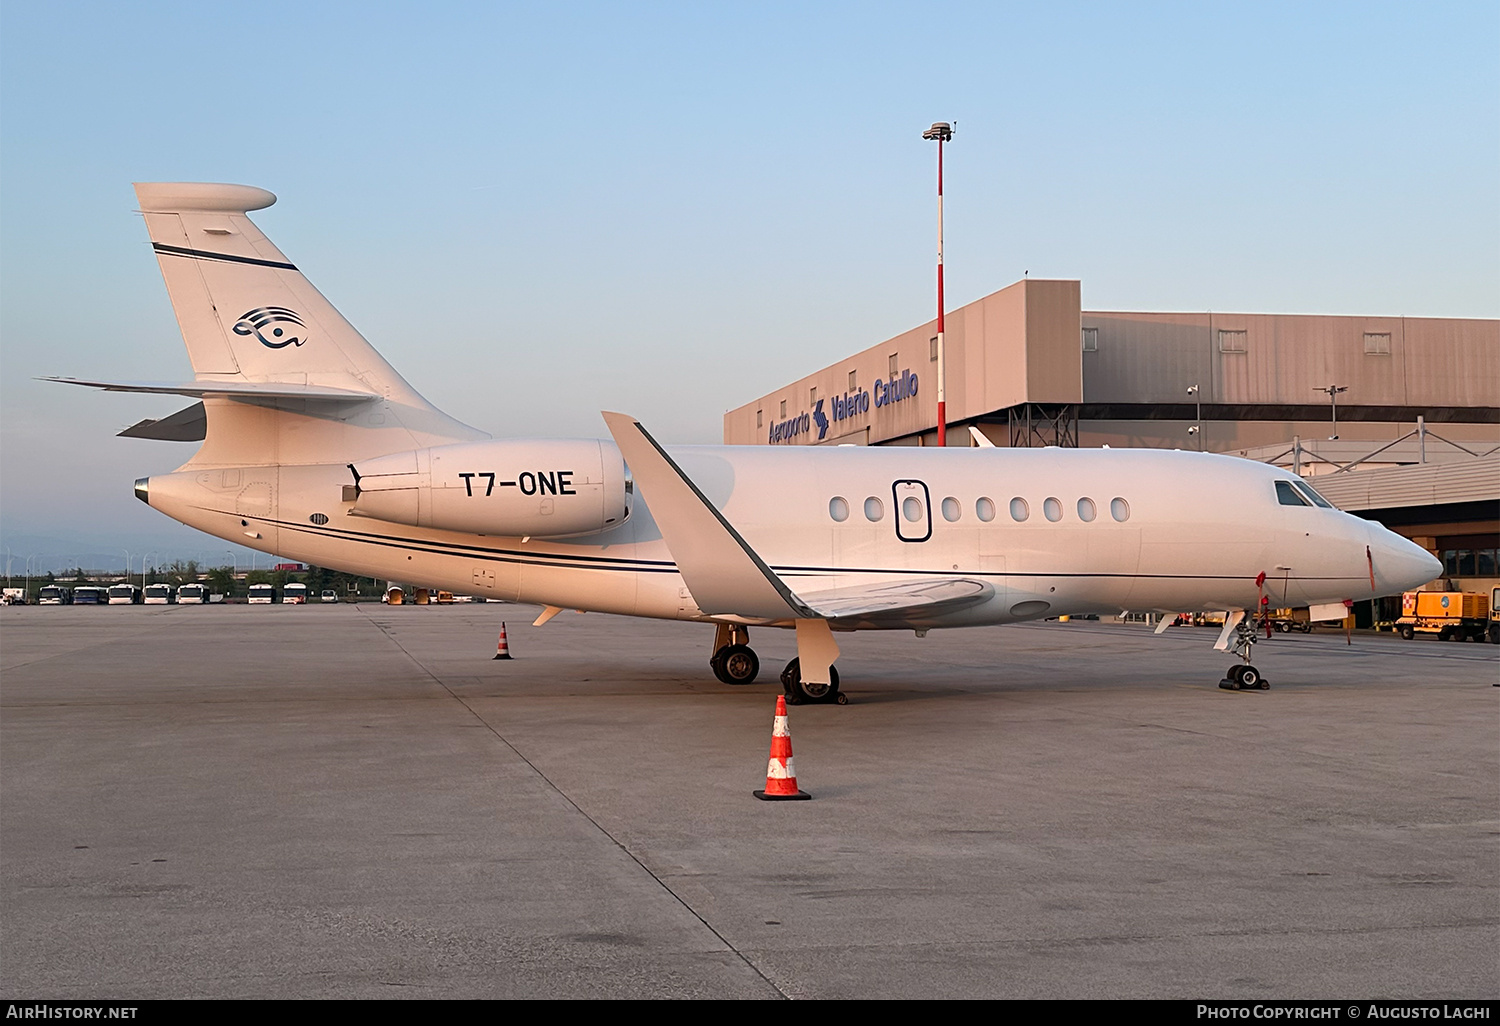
{"type": "Point", "coordinates": [942, 132]}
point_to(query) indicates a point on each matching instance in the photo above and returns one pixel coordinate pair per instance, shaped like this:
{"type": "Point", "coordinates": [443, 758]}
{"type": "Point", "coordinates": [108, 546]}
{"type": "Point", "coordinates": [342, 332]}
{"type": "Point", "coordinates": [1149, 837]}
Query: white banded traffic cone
{"type": "Point", "coordinates": [781, 775]}
{"type": "Point", "coordinates": [502, 648]}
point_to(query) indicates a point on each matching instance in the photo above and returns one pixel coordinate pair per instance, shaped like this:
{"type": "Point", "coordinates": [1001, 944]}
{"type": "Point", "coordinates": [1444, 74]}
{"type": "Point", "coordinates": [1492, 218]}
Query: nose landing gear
{"type": "Point", "coordinates": [1240, 635]}
{"type": "Point", "coordinates": [1243, 677]}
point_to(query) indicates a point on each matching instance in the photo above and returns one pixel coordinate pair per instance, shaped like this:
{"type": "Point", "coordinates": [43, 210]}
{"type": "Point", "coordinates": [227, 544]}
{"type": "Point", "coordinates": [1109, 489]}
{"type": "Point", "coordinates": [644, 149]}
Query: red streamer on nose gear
{"type": "Point", "coordinates": [1369, 558]}
{"type": "Point", "coordinates": [1262, 607]}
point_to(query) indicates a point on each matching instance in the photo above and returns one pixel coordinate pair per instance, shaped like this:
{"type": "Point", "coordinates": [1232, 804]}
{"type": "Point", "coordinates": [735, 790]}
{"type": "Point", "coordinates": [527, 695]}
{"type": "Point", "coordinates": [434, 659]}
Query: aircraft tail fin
{"type": "Point", "coordinates": [248, 315]}
{"type": "Point", "coordinates": [244, 308]}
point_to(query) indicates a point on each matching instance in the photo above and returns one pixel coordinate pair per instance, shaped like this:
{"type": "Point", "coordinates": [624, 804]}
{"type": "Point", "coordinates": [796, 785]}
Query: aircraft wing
{"type": "Point", "coordinates": [232, 389]}
{"type": "Point", "coordinates": [728, 578]}
{"type": "Point", "coordinates": [722, 571]}
{"type": "Point", "coordinates": [898, 603]}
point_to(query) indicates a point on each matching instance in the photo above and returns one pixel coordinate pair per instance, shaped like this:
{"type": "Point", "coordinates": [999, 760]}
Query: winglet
{"type": "Point", "coordinates": [719, 567]}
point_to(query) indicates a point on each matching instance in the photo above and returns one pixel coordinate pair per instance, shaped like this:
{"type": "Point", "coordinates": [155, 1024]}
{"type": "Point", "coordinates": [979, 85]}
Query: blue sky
{"type": "Point", "coordinates": [537, 211]}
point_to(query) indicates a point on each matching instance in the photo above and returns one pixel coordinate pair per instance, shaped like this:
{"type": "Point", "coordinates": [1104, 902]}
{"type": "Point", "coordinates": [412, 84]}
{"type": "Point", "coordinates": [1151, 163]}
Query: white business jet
{"type": "Point", "coordinates": [316, 449]}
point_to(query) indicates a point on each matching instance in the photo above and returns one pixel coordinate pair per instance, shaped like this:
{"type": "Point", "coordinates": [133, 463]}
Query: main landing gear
{"type": "Point", "coordinates": [735, 662]}
{"type": "Point", "coordinates": [799, 691]}
{"type": "Point", "coordinates": [1240, 638]}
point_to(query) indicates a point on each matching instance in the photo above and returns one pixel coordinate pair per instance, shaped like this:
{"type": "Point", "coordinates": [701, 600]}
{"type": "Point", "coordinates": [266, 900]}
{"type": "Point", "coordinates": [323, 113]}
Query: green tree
{"type": "Point", "coordinates": [221, 580]}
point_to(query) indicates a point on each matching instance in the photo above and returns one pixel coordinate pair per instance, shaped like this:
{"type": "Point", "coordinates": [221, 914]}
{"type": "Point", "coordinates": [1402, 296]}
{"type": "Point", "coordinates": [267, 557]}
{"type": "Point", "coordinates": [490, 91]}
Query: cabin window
{"type": "Point", "coordinates": [952, 510]}
{"type": "Point", "coordinates": [1087, 511]}
{"type": "Point", "coordinates": [1119, 509]}
{"type": "Point", "coordinates": [838, 508]}
{"type": "Point", "coordinates": [1289, 496]}
{"type": "Point", "coordinates": [1052, 509]}
{"type": "Point", "coordinates": [874, 509]}
{"type": "Point", "coordinates": [1308, 493]}
{"type": "Point", "coordinates": [911, 508]}
{"type": "Point", "coordinates": [1020, 511]}
{"type": "Point", "coordinates": [984, 509]}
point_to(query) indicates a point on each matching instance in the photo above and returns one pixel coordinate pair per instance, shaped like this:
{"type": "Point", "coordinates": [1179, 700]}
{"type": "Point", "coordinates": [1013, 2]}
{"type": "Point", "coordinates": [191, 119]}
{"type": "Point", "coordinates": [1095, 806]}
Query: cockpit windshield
{"type": "Point", "coordinates": [1308, 490]}
{"type": "Point", "coordinates": [1289, 496]}
{"type": "Point", "coordinates": [1297, 493]}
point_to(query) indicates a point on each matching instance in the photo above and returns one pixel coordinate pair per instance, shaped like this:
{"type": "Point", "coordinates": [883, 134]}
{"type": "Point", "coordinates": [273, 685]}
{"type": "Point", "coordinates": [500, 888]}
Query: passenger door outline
{"type": "Point", "coordinates": [906, 530]}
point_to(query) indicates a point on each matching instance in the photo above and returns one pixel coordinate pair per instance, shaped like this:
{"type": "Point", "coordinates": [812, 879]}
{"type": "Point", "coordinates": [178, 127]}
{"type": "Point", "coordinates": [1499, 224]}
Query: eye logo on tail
{"type": "Point", "coordinates": [275, 326]}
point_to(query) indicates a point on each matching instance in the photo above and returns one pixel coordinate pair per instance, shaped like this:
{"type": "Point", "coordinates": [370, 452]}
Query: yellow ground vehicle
{"type": "Point", "coordinates": [1451, 615]}
{"type": "Point", "coordinates": [1494, 629]}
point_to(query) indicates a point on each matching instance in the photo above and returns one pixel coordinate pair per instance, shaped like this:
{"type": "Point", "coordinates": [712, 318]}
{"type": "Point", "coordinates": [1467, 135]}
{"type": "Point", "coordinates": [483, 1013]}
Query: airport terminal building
{"type": "Point", "coordinates": [1416, 442]}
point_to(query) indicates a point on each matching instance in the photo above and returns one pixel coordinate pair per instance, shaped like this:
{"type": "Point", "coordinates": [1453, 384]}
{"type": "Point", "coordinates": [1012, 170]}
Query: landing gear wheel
{"type": "Point", "coordinates": [737, 664]}
{"type": "Point", "coordinates": [799, 691]}
{"type": "Point", "coordinates": [1249, 679]}
{"type": "Point", "coordinates": [1243, 677]}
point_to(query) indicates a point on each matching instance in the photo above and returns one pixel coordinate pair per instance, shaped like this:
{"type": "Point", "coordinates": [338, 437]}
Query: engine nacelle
{"type": "Point", "coordinates": [545, 488]}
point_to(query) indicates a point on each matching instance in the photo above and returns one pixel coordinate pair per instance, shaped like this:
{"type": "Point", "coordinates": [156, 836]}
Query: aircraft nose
{"type": "Point", "coordinates": [1400, 564]}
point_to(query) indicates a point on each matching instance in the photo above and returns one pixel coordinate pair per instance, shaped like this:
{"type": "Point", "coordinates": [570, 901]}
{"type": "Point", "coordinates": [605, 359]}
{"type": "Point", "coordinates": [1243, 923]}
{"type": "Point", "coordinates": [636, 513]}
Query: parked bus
{"type": "Point", "coordinates": [89, 595]}
{"type": "Point", "coordinates": [294, 594]}
{"type": "Point", "coordinates": [54, 595]}
{"type": "Point", "coordinates": [262, 594]}
{"type": "Point", "coordinates": [124, 595]}
{"type": "Point", "coordinates": [159, 595]}
{"type": "Point", "coordinates": [192, 595]}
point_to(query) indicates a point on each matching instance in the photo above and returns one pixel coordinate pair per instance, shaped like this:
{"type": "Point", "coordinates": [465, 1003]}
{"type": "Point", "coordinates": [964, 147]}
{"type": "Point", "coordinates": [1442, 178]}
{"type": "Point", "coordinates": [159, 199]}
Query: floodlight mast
{"type": "Point", "coordinates": [1333, 406]}
{"type": "Point", "coordinates": [942, 132]}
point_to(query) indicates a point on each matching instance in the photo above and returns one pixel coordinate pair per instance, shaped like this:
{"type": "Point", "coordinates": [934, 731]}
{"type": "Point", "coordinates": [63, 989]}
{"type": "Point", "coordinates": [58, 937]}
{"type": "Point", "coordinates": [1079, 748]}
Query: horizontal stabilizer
{"type": "Point", "coordinates": [900, 601]}
{"type": "Point", "coordinates": [724, 574]}
{"type": "Point", "coordinates": [230, 389]}
{"type": "Point", "coordinates": [189, 425]}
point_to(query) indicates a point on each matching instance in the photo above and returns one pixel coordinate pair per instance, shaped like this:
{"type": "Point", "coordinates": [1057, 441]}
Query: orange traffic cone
{"type": "Point", "coordinates": [781, 776]}
{"type": "Point", "coordinates": [502, 649]}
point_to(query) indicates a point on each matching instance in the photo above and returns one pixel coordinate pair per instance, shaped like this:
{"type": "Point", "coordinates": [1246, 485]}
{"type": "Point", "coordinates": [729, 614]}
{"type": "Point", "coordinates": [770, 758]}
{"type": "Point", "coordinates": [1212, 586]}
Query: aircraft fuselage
{"type": "Point", "coordinates": [1054, 531]}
